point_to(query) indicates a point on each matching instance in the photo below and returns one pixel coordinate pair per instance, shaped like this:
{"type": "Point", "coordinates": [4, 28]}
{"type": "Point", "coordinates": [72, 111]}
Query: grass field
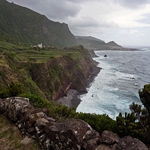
{"type": "Point", "coordinates": [27, 53]}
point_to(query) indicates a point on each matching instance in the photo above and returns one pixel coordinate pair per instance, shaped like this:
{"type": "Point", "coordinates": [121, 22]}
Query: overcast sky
{"type": "Point", "coordinates": [126, 22]}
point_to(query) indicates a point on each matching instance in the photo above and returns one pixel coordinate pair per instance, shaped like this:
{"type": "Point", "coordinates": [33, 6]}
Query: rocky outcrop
{"type": "Point", "coordinates": [111, 141]}
{"type": "Point", "coordinates": [129, 143]}
{"type": "Point", "coordinates": [73, 134]}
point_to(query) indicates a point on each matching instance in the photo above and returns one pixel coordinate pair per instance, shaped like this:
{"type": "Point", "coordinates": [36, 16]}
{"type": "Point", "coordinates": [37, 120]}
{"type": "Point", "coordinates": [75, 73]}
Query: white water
{"type": "Point", "coordinates": [117, 84]}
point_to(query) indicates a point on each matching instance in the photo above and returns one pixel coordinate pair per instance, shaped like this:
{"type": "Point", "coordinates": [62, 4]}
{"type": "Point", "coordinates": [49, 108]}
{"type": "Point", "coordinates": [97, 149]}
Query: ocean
{"type": "Point", "coordinates": [122, 75]}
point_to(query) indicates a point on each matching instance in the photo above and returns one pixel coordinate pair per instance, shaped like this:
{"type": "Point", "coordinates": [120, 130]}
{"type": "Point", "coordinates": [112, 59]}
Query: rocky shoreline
{"type": "Point", "coordinates": [72, 99]}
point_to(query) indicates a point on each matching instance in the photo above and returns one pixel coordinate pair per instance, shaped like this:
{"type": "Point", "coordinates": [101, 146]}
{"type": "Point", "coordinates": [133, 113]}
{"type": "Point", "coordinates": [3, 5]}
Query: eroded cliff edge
{"type": "Point", "coordinates": [48, 73]}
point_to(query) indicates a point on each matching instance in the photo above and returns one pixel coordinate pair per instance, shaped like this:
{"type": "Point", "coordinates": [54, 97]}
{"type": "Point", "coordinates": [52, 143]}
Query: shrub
{"type": "Point", "coordinates": [98, 122]}
{"type": "Point", "coordinates": [14, 89]}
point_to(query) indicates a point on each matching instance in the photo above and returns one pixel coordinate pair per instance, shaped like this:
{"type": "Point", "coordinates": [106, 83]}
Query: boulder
{"type": "Point", "coordinates": [109, 137]}
{"type": "Point", "coordinates": [85, 136]}
{"type": "Point", "coordinates": [74, 134]}
{"type": "Point", "coordinates": [27, 141]}
{"type": "Point", "coordinates": [129, 143]}
{"type": "Point", "coordinates": [104, 147]}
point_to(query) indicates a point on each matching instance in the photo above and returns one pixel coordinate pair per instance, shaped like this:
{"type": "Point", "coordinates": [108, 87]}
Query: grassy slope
{"type": "Point", "coordinates": [30, 27]}
{"type": "Point", "coordinates": [10, 137]}
{"type": "Point", "coordinates": [30, 66]}
{"type": "Point", "coordinates": [14, 65]}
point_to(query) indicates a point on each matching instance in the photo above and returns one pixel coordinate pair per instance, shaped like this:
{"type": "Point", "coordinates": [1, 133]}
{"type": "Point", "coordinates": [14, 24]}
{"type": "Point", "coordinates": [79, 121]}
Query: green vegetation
{"type": "Point", "coordinates": [137, 123]}
{"type": "Point", "coordinates": [97, 44]}
{"type": "Point", "coordinates": [98, 122]}
{"type": "Point", "coordinates": [60, 112]}
{"type": "Point", "coordinates": [145, 96]}
{"type": "Point", "coordinates": [32, 28]}
{"type": "Point", "coordinates": [40, 72]}
{"type": "Point", "coordinates": [12, 90]}
{"type": "Point", "coordinates": [10, 136]}
{"type": "Point", "coordinates": [22, 77]}
{"type": "Point", "coordinates": [22, 74]}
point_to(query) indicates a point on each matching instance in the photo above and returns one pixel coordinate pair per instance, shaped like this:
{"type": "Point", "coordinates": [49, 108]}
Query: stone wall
{"type": "Point", "coordinates": [72, 134]}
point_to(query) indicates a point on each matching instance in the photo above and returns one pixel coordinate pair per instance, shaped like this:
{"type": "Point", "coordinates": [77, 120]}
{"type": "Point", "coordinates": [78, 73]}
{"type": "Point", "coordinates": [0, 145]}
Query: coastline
{"type": "Point", "coordinates": [73, 96]}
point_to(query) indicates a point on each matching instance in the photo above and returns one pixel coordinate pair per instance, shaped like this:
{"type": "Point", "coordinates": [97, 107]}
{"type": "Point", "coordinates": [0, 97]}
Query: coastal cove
{"type": "Point", "coordinates": [116, 86]}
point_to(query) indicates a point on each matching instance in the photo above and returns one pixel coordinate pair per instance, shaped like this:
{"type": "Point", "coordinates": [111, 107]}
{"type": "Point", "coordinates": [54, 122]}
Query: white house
{"type": "Point", "coordinates": [40, 45]}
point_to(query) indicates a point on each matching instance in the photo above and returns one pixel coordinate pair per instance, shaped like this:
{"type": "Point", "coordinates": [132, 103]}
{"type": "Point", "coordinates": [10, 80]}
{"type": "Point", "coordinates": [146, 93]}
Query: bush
{"type": "Point", "coordinates": [98, 122]}
{"type": "Point", "coordinates": [14, 89]}
{"type": "Point", "coordinates": [36, 101]}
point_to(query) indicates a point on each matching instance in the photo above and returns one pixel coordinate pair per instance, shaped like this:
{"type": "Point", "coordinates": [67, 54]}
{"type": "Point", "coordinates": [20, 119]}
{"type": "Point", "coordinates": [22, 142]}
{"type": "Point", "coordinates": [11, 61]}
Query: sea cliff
{"type": "Point", "coordinates": [48, 73]}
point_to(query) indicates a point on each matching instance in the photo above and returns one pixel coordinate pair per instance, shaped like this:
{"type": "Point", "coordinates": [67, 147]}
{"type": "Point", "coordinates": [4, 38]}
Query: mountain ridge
{"type": "Point", "coordinates": [30, 27]}
{"type": "Point", "coordinates": [90, 42]}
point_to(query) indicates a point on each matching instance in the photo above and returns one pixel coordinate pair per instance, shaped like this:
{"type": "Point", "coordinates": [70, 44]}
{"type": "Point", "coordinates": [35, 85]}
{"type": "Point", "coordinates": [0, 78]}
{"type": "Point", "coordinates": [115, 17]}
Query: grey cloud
{"type": "Point", "coordinates": [81, 1]}
{"type": "Point", "coordinates": [59, 9]}
{"type": "Point", "coordinates": [132, 3]}
{"type": "Point", "coordinates": [87, 25]}
{"type": "Point", "coordinates": [84, 22]}
{"type": "Point", "coordinates": [88, 22]}
{"type": "Point", "coordinates": [54, 9]}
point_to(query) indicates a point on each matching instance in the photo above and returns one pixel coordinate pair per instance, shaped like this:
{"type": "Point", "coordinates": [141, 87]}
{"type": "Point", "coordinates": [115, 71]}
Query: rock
{"type": "Point", "coordinates": [74, 134]}
{"type": "Point", "coordinates": [104, 147]}
{"type": "Point", "coordinates": [27, 141]}
{"type": "Point", "coordinates": [129, 143]}
{"type": "Point", "coordinates": [51, 119]}
{"type": "Point", "coordinates": [41, 122]}
{"type": "Point", "coordinates": [85, 136]}
{"type": "Point", "coordinates": [71, 99]}
{"type": "Point", "coordinates": [109, 137]}
{"type": "Point", "coordinates": [2, 109]}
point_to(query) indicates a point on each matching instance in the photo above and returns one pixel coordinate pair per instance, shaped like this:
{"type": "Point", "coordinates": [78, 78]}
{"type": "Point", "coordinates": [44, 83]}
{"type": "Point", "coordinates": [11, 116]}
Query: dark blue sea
{"type": "Point", "coordinates": [122, 75]}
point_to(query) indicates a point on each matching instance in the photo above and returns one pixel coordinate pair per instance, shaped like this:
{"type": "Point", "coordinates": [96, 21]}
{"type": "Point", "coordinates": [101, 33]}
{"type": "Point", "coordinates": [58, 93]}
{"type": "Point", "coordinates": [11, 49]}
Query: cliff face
{"type": "Point", "coordinates": [58, 75]}
{"type": "Point", "coordinates": [30, 27]}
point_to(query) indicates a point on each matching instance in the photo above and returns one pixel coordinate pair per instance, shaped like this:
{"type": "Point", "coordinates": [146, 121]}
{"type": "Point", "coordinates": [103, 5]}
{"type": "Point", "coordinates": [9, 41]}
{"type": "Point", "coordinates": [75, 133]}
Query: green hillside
{"type": "Point", "coordinates": [19, 24]}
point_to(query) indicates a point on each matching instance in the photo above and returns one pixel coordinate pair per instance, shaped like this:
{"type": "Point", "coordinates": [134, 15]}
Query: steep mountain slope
{"type": "Point", "coordinates": [24, 25]}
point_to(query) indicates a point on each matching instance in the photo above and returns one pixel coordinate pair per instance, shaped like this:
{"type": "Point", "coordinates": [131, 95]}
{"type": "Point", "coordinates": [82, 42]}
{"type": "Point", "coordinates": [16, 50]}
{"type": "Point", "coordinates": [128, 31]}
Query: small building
{"type": "Point", "coordinates": [40, 45]}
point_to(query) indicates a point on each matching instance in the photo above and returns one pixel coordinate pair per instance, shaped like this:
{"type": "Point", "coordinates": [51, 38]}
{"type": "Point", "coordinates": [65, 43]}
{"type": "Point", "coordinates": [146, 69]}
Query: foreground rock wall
{"type": "Point", "coordinates": [72, 134]}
